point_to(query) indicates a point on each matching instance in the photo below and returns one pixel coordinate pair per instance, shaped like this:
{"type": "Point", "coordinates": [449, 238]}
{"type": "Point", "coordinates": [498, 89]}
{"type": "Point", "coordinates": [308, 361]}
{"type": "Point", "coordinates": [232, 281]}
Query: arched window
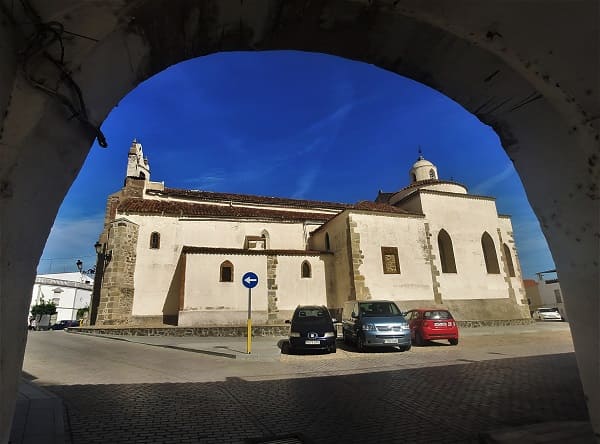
{"type": "Point", "coordinates": [226, 272]}
{"type": "Point", "coordinates": [413, 176]}
{"type": "Point", "coordinates": [306, 271]}
{"type": "Point", "coordinates": [509, 261]}
{"type": "Point", "coordinates": [327, 243]}
{"type": "Point", "coordinates": [489, 254]}
{"type": "Point", "coordinates": [265, 236]}
{"type": "Point", "coordinates": [155, 240]}
{"type": "Point", "coordinates": [432, 174]}
{"type": "Point", "coordinates": [446, 252]}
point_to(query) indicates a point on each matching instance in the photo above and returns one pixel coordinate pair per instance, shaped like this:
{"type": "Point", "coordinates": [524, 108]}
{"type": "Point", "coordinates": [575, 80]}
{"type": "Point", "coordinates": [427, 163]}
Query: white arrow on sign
{"type": "Point", "coordinates": [249, 280]}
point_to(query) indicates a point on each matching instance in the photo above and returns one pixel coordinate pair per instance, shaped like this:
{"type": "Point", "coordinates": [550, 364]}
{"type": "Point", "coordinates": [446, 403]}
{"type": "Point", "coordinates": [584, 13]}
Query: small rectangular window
{"type": "Point", "coordinates": [389, 257]}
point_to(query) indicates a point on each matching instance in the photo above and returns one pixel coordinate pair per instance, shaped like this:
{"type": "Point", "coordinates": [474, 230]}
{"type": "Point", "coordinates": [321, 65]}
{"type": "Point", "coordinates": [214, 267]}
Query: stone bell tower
{"type": "Point", "coordinates": [137, 164]}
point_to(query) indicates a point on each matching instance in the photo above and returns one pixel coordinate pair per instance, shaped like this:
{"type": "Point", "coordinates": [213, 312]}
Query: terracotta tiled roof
{"type": "Point", "coordinates": [247, 198]}
{"type": "Point", "coordinates": [383, 197]}
{"type": "Point", "coordinates": [174, 208]}
{"type": "Point", "coordinates": [529, 283]}
{"type": "Point", "coordinates": [213, 250]}
{"type": "Point", "coordinates": [381, 207]}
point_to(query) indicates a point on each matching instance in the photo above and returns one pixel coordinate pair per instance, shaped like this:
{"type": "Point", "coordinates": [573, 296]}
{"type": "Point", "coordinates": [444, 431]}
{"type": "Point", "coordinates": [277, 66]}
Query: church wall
{"type": "Point", "coordinates": [407, 234]}
{"type": "Point", "coordinates": [232, 234]}
{"type": "Point", "coordinates": [155, 268]}
{"type": "Point", "coordinates": [207, 301]}
{"type": "Point", "coordinates": [465, 220]}
{"type": "Point", "coordinates": [515, 282]}
{"type": "Point", "coordinates": [293, 289]}
{"type": "Point", "coordinates": [412, 205]}
{"type": "Point", "coordinates": [338, 272]}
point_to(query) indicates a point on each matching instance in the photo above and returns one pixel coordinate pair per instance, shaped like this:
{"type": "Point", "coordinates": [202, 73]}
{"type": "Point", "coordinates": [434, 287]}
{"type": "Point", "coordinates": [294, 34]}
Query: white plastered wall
{"type": "Point", "coordinates": [465, 219]}
{"type": "Point", "coordinates": [205, 291]}
{"type": "Point", "coordinates": [292, 289]}
{"type": "Point", "coordinates": [155, 268]}
{"type": "Point", "coordinates": [337, 266]}
{"type": "Point", "coordinates": [407, 234]}
{"type": "Point", "coordinates": [508, 238]}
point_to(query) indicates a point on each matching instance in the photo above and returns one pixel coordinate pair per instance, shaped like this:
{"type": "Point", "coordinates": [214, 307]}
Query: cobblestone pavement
{"type": "Point", "coordinates": [124, 392]}
{"type": "Point", "coordinates": [446, 404]}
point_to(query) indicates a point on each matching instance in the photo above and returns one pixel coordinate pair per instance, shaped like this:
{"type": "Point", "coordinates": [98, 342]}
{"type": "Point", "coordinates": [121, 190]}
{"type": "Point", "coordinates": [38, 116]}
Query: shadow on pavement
{"type": "Point", "coordinates": [457, 402]}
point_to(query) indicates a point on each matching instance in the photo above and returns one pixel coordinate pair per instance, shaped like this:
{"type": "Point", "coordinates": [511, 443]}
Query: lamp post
{"type": "Point", "coordinates": [103, 257]}
{"type": "Point", "coordinates": [79, 264]}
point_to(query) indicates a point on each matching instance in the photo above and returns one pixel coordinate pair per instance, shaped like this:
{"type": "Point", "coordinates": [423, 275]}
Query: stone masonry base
{"type": "Point", "coordinates": [240, 331]}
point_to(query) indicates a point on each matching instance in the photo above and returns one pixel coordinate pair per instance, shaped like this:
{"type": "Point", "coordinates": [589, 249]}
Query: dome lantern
{"type": "Point", "coordinates": [423, 169]}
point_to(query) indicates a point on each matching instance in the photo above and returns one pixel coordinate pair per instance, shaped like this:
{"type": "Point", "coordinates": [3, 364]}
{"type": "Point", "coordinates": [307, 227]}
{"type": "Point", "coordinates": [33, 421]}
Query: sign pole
{"type": "Point", "coordinates": [249, 280]}
{"type": "Point", "coordinates": [249, 340]}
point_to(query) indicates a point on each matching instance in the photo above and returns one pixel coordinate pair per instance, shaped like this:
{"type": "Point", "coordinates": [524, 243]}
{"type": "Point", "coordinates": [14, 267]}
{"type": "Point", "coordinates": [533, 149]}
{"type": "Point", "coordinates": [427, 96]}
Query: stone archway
{"type": "Point", "coordinates": [528, 70]}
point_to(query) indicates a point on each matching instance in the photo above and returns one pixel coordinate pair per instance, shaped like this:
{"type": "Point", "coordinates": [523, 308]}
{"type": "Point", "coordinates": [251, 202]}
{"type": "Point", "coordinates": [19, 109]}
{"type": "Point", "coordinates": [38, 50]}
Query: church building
{"type": "Point", "coordinates": [176, 256]}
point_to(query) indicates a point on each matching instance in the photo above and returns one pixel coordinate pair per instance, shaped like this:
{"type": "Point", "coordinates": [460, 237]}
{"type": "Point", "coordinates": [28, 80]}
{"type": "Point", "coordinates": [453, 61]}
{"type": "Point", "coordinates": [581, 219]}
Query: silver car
{"type": "Point", "coordinates": [375, 324]}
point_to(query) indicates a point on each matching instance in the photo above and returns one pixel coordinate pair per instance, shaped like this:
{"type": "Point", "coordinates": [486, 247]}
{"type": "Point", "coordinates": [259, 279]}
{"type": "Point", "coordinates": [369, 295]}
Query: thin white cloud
{"type": "Point", "coordinates": [305, 182]}
{"type": "Point", "coordinates": [207, 181]}
{"type": "Point", "coordinates": [487, 185]}
{"type": "Point", "coordinates": [334, 118]}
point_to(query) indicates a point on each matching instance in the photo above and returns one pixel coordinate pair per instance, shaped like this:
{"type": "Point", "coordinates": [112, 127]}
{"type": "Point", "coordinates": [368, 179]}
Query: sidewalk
{"type": "Point", "coordinates": [263, 348]}
{"type": "Point", "coordinates": [268, 348]}
{"type": "Point", "coordinates": [38, 416]}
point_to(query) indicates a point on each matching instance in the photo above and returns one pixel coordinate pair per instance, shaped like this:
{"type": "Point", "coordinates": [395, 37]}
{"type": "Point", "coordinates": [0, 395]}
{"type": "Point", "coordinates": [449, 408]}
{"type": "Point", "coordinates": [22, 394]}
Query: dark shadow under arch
{"type": "Point", "coordinates": [446, 252]}
{"type": "Point", "coordinates": [489, 254]}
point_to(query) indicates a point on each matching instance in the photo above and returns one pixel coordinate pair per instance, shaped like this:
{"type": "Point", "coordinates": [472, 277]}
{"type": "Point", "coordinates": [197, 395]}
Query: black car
{"type": "Point", "coordinates": [312, 329]}
{"type": "Point", "coordinates": [61, 325]}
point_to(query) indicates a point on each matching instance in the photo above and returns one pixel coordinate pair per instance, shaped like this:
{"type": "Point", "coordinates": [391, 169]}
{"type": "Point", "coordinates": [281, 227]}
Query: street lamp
{"type": "Point", "coordinates": [101, 251]}
{"type": "Point", "coordinates": [79, 267]}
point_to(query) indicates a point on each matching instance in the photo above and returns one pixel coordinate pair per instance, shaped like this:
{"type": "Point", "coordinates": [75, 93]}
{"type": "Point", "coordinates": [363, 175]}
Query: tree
{"type": "Point", "coordinates": [43, 308]}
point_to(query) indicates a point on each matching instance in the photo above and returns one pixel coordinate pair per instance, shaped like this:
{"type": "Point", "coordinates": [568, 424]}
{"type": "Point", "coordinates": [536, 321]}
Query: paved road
{"type": "Point", "coordinates": [116, 391]}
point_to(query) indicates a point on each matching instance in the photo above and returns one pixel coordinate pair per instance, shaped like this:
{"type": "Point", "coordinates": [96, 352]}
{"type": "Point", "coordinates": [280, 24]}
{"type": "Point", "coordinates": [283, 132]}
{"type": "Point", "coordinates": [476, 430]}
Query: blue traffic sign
{"type": "Point", "coordinates": [250, 280]}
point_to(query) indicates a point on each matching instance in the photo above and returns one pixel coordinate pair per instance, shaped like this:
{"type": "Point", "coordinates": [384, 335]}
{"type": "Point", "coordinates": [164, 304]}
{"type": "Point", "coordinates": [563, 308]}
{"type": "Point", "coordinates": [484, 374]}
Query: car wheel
{"type": "Point", "coordinates": [419, 339]}
{"type": "Point", "coordinates": [360, 343]}
{"type": "Point", "coordinates": [405, 348]}
{"type": "Point", "coordinates": [453, 341]}
{"type": "Point", "coordinates": [332, 349]}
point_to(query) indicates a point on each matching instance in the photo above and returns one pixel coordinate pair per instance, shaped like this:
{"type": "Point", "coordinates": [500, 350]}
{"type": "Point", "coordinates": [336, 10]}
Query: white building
{"type": "Point", "coordinates": [545, 292]}
{"type": "Point", "coordinates": [68, 291]}
{"type": "Point", "coordinates": [177, 256]}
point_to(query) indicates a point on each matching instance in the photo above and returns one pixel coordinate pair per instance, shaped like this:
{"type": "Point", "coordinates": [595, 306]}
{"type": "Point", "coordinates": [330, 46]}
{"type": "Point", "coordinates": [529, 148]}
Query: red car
{"type": "Point", "coordinates": [431, 323]}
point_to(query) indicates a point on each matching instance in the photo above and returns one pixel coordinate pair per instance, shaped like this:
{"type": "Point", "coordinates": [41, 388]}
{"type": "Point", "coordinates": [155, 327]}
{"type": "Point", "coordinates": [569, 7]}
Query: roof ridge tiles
{"type": "Point", "coordinates": [190, 209]}
{"type": "Point", "coordinates": [248, 198]}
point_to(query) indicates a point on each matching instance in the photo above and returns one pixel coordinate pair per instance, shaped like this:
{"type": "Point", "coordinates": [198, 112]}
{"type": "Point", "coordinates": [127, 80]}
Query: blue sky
{"type": "Point", "coordinates": [290, 124]}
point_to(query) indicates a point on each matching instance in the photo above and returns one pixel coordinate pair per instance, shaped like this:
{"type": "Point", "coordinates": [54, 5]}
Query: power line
{"type": "Point", "coordinates": [67, 258]}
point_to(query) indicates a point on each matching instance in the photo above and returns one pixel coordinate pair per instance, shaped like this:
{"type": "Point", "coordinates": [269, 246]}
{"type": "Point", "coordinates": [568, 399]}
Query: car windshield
{"type": "Point", "coordinates": [314, 313]}
{"type": "Point", "coordinates": [379, 309]}
{"type": "Point", "coordinates": [437, 314]}
{"type": "Point", "coordinates": [546, 310]}
{"type": "Point", "coordinates": [311, 316]}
